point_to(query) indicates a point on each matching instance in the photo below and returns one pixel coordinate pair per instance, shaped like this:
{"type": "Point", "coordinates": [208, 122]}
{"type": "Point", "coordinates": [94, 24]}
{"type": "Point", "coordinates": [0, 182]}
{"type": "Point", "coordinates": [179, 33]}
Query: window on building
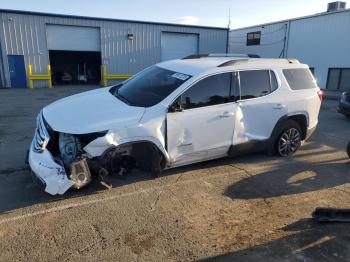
{"type": "Point", "coordinates": [299, 78]}
{"type": "Point", "coordinates": [338, 79]}
{"type": "Point", "coordinates": [253, 38]}
{"type": "Point", "coordinates": [256, 83]}
{"type": "Point", "coordinates": [212, 90]}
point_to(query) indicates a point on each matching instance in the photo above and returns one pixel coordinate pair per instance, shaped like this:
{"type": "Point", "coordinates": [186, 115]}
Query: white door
{"type": "Point", "coordinates": [178, 45]}
{"type": "Point", "coordinates": [202, 128]}
{"type": "Point", "coordinates": [260, 106]}
{"type": "Point", "coordinates": [73, 38]}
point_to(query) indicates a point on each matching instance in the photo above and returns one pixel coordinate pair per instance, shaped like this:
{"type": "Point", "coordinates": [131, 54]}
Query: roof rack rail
{"type": "Point", "coordinates": [232, 62]}
{"type": "Point", "coordinates": [253, 56]}
{"type": "Point", "coordinates": [221, 55]}
{"type": "Point", "coordinates": [195, 56]}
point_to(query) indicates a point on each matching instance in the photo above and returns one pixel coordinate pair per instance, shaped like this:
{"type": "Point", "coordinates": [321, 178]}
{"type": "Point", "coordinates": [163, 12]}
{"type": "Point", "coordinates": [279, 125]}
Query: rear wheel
{"type": "Point", "coordinates": [289, 139]}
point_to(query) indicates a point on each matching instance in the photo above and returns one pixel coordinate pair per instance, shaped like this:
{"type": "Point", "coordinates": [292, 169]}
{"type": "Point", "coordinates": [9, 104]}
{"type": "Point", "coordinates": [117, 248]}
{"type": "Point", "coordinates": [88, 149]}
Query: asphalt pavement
{"type": "Point", "coordinates": [248, 208]}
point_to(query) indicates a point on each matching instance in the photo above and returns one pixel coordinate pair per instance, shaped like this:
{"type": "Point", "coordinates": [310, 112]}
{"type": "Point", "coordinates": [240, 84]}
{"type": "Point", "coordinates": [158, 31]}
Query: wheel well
{"type": "Point", "coordinates": [302, 122]}
{"type": "Point", "coordinates": [144, 152]}
{"type": "Point", "coordinates": [147, 151]}
{"type": "Point", "coordinates": [300, 119]}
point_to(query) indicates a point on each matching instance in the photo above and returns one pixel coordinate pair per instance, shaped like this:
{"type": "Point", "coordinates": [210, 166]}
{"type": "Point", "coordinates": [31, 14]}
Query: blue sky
{"type": "Point", "coordinates": [201, 12]}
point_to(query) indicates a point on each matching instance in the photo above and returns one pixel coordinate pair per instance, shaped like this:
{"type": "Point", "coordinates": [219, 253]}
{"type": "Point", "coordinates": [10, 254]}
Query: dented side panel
{"type": "Point", "coordinates": [152, 131]}
{"type": "Point", "coordinates": [200, 133]}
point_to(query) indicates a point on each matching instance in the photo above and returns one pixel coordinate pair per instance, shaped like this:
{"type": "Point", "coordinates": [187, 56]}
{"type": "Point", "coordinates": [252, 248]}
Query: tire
{"type": "Point", "coordinates": [348, 149]}
{"type": "Point", "coordinates": [288, 139]}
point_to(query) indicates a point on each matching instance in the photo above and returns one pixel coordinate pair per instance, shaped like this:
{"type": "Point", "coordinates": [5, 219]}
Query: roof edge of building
{"type": "Point", "coordinates": [291, 19]}
{"type": "Point", "coordinates": [13, 11]}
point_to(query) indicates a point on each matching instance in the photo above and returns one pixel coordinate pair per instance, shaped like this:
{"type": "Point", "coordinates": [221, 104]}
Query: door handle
{"type": "Point", "coordinates": [185, 144]}
{"type": "Point", "coordinates": [279, 106]}
{"type": "Point", "coordinates": [226, 114]}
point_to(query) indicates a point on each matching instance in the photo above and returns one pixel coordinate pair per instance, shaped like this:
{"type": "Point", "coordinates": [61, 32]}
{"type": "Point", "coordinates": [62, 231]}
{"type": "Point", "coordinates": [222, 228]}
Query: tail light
{"type": "Point", "coordinates": [320, 94]}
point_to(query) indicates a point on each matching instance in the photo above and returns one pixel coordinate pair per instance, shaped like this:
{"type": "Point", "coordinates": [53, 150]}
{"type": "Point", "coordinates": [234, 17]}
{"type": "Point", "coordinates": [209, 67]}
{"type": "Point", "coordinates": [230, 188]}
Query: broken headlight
{"type": "Point", "coordinates": [41, 136]}
{"type": "Point", "coordinates": [70, 148]}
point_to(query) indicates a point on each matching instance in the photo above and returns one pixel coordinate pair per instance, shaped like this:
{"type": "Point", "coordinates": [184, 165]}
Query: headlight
{"type": "Point", "coordinates": [41, 136]}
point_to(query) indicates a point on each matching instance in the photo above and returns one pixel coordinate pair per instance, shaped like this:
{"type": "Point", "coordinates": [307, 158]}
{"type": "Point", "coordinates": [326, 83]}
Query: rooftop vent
{"type": "Point", "coordinates": [336, 6]}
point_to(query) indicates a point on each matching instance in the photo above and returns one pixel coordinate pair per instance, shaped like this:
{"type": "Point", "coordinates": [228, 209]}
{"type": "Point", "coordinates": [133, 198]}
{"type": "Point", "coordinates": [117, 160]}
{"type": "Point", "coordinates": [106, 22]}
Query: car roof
{"type": "Point", "coordinates": [195, 66]}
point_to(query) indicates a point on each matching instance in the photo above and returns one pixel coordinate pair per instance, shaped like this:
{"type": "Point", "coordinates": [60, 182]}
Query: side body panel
{"type": "Point", "coordinates": [200, 133]}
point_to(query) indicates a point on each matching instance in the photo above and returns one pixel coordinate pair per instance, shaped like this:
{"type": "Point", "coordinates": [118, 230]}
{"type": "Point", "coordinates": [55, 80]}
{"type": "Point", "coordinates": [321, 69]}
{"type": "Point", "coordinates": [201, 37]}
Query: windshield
{"type": "Point", "coordinates": [149, 87]}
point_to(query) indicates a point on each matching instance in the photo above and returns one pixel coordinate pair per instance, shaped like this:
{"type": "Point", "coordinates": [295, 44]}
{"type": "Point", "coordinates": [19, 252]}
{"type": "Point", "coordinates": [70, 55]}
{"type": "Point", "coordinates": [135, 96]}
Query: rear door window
{"type": "Point", "coordinates": [299, 78]}
{"type": "Point", "coordinates": [257, 83]}
{"type": "Point", "coordinates": [212, 90]}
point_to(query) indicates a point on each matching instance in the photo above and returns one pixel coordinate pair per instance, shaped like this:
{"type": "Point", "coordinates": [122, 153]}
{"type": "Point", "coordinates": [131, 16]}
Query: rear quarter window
{"type": "Point", "coordinates": [299, 78]}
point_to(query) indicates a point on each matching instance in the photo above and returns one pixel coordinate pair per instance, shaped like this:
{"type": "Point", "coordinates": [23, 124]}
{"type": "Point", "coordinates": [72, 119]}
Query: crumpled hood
{"type": "Point", "coordinates": [92, 111]}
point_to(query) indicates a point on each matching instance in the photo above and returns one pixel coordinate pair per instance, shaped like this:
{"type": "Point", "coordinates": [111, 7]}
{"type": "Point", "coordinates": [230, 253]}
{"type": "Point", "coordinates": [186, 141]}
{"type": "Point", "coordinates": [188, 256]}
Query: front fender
{"type": "Point", "coordinates": [98, 146]}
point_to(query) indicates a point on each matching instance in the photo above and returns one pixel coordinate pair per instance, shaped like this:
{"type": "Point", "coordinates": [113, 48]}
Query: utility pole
{"type": "Point", "coordinates": [228, 29]}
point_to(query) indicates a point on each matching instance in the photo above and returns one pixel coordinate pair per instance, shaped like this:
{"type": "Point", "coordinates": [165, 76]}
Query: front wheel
{"type": "Point", "coordinates": [289, 140]}
{"type": "Point", "coordinates": [348, 149]}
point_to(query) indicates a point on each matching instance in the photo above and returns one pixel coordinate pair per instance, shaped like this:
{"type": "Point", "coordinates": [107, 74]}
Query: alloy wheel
{"type": "Point", "coordinates": [289, 142]}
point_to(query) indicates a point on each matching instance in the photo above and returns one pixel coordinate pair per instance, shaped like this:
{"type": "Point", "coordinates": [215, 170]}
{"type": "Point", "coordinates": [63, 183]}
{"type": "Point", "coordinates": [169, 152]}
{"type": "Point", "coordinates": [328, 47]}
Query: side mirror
{"type": "Point", "coordinates": [175, 107]}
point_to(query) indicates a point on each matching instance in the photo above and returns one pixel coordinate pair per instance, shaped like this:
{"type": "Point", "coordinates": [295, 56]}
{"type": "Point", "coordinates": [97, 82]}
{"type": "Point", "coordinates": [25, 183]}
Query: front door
{"type": "Point", "coordinates": [201, 122]}
{"type": "Point", "coordinates": [17, 71]}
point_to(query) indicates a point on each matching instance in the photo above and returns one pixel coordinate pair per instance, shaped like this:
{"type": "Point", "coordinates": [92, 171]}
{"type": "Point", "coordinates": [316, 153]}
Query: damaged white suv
{"type": "Point", "coordinates": [175, 113]}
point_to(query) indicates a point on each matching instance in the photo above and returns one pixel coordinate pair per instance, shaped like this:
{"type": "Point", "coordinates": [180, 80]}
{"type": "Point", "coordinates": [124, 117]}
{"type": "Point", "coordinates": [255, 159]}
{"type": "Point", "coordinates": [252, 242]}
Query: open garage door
{"type": "Point", "coordinates": [73, 38]}
{"type": "Point", "coordinates": [178, 45]}
{"type": "Point", "coordinates": [75, 54]}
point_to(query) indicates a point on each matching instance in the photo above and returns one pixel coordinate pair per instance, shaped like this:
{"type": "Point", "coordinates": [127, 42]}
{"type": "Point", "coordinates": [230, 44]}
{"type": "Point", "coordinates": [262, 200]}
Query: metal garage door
{"type": "Point", "coordinates": [73, 38]}
{"type": "Point", "coordinates": [178, 45]}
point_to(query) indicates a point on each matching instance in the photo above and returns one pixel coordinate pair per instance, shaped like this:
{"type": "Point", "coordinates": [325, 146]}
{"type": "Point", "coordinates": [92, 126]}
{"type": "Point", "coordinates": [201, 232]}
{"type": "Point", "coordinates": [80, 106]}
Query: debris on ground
{"type": "Point", "coordinates": [331, 215]}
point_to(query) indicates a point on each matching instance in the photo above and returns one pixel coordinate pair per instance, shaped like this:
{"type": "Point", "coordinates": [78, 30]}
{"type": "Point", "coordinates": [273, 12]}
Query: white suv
{"type": "Point", "coordinates": [175, 113]}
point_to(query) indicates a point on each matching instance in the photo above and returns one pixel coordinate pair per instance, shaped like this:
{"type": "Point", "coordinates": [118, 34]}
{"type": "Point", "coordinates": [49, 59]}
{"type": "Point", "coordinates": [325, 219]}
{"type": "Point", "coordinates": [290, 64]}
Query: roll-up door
{"type": "Point", "coordinates": [178, 45]}
{"type": "Point", "coordinates": [73, 38]}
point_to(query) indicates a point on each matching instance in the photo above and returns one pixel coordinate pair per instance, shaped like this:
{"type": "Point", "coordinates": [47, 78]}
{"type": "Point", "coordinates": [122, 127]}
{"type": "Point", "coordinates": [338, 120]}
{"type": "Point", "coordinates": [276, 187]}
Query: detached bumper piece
{"type": "Point", "coordinates": [48, 173]}
{"type": "Point", "coordinates": [331, 215]}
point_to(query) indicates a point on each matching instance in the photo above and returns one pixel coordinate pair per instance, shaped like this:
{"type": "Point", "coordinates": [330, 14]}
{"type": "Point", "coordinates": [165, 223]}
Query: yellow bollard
{"type": "Point", "coordinates": [106, 76]}
{"type": "Point", "coordinates": [30, 80]}
{"type": "Point", "coordinates": [49, 75]}
{"type": "Point", "coordinates": [105, 80]}
{"type": "Point", "coordinates": [32, 77]}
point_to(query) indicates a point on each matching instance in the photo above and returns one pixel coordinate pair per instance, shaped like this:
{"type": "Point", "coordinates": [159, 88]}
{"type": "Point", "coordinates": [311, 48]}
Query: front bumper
{"type": "Point", "coordinates": [50, 175]}
{"type": "Point", "coordinates": [310, 132]}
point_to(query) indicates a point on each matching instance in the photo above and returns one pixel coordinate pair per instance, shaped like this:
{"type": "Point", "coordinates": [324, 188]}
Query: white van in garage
{"type": "Point", "coordinates": [176, 113]}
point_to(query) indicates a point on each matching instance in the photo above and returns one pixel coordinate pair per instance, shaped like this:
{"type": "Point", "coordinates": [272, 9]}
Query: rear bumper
{"type": "Point", "coordinates": [47, 173]}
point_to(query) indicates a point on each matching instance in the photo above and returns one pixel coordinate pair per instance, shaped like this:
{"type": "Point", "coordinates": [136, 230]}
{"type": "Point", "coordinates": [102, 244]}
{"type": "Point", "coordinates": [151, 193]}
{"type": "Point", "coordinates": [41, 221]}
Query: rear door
{"type": "Point", "coordinates": [259, 107]}
{"type": "Point", "coordinates": [203, 127]}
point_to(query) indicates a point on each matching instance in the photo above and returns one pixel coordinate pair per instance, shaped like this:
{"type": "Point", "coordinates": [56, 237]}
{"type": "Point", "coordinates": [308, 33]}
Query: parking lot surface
{"type": "Point", "coordinates": [249, 208]}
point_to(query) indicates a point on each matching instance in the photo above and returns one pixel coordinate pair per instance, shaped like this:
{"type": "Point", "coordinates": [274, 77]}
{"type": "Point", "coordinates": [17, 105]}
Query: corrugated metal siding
{"type": "Point", "coordinates": [26, 34]}
{"type": "Point", "coordinates": [271, 43]}
{"type": "Point", "coordinates": [322, 42]}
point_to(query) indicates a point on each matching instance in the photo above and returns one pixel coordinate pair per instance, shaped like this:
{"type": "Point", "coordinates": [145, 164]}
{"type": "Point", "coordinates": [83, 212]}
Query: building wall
{"type": "Point", "coordinates": [25, 34]}
{"type": "Point", "coordinates": [321, 41]}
